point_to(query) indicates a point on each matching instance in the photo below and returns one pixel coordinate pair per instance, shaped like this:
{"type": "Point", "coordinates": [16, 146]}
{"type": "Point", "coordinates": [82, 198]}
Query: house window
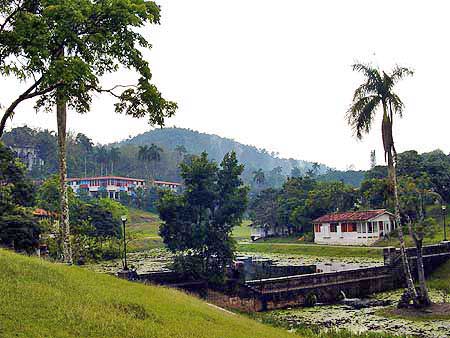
{"type": "Point", "coordinates": [351, 227]}
{"type": "Point", "coordinates": [375, 226]}
{"type": "Point", "coordinates": [317, 227]}
{"type": "Point", "coordinates": [381, 224]}
{"type": "Point", "coordinates": [344, 227]}
{"type": "Point", "coordinates": [369, 227]}
{"type": "Point", "coordinates": [333, 227]}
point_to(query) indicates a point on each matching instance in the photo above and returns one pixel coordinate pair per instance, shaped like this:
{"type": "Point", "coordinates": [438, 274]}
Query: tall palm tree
{"type": "Point", "coordinates": [87, 146]}
{"type": "Point", "coordinates": [374, 94]}
{"type": "Point", "coordinates": [114, 156]}
{"type": "Point", "coordinates": [259, 177]}
{"type": "Point", "coordinates": [143, 156]}
{"type": "Point", "coordinates": [154, 155]}
{"type": "Point", "coordinates": [101, 156]}
{"type": "Point", "coordinates": [181, 151]}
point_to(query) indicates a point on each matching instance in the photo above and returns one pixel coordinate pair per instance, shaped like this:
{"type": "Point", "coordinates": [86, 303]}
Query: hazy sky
{"type": "Point", "coordinates": [276, 74]}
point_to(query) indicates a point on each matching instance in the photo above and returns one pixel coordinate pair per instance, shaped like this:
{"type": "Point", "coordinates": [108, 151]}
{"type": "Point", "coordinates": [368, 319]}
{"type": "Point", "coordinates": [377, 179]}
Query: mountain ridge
{"type": "Point", "coordinates": [217, 146]}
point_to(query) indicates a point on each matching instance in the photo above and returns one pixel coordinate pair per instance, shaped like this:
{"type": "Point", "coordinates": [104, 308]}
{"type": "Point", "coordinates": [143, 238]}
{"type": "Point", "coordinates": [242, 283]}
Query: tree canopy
{"type": "Point", "coordinates": [64, 47]}
{"type": "Point", "coordinates": [198, 223]}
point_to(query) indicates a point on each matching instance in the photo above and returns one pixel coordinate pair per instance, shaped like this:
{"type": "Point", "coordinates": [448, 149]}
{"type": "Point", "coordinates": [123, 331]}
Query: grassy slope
{"type": "Point", "coordinates": [41, 299]}
{"type": "Point", "coordinates": [143, 227]}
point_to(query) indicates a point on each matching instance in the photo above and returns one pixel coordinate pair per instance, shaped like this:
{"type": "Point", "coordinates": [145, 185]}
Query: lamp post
{"type": "Point", "coordinates": [444, 209]}
{"type": "Point", "coordinates": [125, 266]}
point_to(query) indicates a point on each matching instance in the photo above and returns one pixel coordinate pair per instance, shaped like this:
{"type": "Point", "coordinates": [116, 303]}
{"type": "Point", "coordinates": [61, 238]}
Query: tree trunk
{"type": "Point", "coordinates": [61, 116]}
{"type": "Point", "coordinates": [392, 160]}
{"type": "Point", "coordinates": [424, 297]}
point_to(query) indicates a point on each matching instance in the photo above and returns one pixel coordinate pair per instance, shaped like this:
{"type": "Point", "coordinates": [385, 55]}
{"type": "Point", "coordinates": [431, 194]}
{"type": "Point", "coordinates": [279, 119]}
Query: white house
{"type": "Point", "coordinates": [112, 186]}
{"type": "Point", "coordinates": [266, 230]}
{"type": "Point", "coordinates": [353, 228]}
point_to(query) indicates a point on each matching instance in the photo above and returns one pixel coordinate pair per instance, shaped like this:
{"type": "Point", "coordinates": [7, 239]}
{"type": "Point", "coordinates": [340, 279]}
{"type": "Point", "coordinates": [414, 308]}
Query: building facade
{"type": "Point", "coordinates": [353, 228]}
{"type": "Point", "coordinates": [28, 155]}
{"type": "Point", "coordinates": [113, 186]}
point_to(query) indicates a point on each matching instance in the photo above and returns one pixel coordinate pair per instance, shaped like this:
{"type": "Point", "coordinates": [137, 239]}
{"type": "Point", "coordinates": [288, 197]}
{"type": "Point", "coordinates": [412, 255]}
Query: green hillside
{"type": "Point", "coordinates": [41, 299]}
{"type": "Point", "coordinates": [216, 146]}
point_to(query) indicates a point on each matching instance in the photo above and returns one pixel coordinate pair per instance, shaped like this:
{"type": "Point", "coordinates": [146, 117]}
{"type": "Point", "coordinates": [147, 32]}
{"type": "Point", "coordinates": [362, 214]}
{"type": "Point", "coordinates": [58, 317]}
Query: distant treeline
{"type": "Point", "coordinates": [158, 153]}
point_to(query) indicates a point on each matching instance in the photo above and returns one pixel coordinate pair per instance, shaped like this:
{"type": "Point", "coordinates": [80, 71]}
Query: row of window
{"type": "Point", "coordinates": [119, 183]}
{"type": "Point", "coordinates": [367, 227]}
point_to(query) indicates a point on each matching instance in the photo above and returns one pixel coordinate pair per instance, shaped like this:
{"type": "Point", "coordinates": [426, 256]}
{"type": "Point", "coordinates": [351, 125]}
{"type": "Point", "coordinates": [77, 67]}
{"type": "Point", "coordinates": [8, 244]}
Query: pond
{"type": "Point", "coordinates": [342, 317]}
{"type": "Point", "coordinates": [323, 264]}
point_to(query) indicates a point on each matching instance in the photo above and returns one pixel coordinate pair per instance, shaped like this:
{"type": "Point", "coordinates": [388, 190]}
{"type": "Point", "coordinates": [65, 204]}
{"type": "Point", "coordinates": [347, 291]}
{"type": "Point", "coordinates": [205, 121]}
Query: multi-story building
{"type": "Point", "coordinates": [353, 228]}
{"type": "Point", "coordinates": [112, 186]}
{"type": "Point", "coordinates": [28, 155]}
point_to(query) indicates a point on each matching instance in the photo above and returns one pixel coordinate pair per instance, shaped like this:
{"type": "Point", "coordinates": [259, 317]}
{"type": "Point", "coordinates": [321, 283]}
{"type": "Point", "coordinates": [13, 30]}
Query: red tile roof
{"type": "Point", "coordinates": [104, 177]}
{"type": "Point", "coordinates": [42, 212]}
{"type": "Point", "coordinates": [351, 216]}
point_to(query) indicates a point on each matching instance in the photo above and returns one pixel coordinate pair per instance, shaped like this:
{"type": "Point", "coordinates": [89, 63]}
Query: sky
{"type": "Point", "coordinates": [277, 75]}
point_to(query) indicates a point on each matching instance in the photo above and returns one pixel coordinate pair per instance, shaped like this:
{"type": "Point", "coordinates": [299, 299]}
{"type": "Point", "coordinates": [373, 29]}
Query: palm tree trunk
{"type": "Point", "coordinates": [392, 160]}
{"type": "Point", "coordinates": [61, 117]}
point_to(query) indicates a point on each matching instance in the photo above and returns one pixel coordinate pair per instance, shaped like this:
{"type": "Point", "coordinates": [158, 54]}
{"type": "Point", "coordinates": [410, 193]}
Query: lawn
{"type": "Point", "coordinates": [312, 250]}
{"type": "Point", "coordinates": [42, 299]}
{"type": "Point", "coordinates": [243, 231]}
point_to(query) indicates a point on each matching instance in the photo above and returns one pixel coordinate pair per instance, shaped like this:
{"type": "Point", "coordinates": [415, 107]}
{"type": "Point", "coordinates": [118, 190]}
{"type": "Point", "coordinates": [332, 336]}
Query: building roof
{"type": "Point", "coordinates": [104, 177]}
{"type": "Point", "coordinates": [118, 178]}
{"type": "Point", "coordinates": [43, 213]}
{"type": "Point", "coordinates": [165, 182]}
{"type": "Point", "coordinates": [351, 216]}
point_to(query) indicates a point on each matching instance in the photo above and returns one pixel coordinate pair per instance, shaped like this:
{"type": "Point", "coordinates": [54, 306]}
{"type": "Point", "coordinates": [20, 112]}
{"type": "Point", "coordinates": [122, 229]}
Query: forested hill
{"type": "Point", "coordinates": [216, 147]}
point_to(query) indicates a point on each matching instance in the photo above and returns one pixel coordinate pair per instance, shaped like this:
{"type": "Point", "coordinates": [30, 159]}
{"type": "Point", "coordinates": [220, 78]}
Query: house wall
{"type": "Point", "coordinates": [325, 236]}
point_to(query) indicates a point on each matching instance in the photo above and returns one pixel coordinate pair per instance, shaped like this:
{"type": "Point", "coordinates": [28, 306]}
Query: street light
{"type": "Point", "coordinates": [125, 266]}
{"type": "Point", "coordinates": [444, 209]}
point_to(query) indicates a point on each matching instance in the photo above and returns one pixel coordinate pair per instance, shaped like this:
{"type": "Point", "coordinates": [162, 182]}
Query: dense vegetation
{"type": "Point", "coordinates": [18, 228]}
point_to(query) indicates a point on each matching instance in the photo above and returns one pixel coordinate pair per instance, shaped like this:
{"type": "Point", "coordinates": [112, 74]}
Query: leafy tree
{"type": "Point", "coordinates": [18, 229]}
{"type": "Point", "coordinates": [377, 92]}
{"type": "Point", "coordinates": [264, 209]}
{"type": "Point", "coordinates": [329, 197]}
{"type": "Point", "coordinates": [63, 48]}
{"type": "Point", "coordinates": [374, 194]}
{"type": "Point", "coordinates": [198, 223]}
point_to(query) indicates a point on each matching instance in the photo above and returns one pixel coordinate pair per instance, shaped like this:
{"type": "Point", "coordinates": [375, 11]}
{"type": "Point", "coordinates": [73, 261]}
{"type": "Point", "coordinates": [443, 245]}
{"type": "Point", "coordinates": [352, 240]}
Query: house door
{"type": "Point", "coordinates": [326, 230]}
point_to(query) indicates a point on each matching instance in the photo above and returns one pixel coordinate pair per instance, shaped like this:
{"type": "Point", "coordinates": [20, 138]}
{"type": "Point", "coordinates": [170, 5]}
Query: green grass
{"type": "Point", "coordinates": [243, 231]}
{"type": "Point", "coordinates": [312, 250]}
{"type": "Point", "coordinates": [143, 228]}
{"type": "Point", "coordinates": [440, 278]}
{"type": "Point", "coordinates": [42, 299]}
